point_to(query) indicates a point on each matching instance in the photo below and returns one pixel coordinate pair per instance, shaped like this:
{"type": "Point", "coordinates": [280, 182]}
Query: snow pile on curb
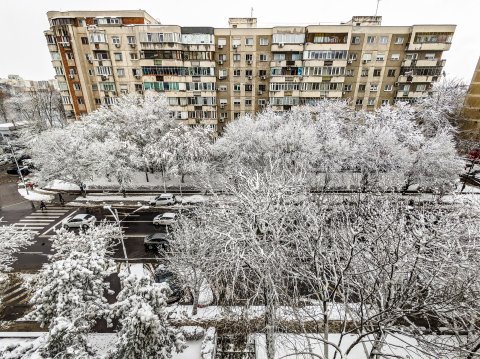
{"type": "Point", "coordinates": [35, 196]}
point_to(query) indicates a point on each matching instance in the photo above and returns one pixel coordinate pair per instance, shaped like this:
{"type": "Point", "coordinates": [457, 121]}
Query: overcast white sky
{"type": "Point", "coordinates": [24, 50]}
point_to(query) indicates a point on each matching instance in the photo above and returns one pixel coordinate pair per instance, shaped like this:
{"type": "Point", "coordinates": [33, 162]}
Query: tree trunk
{"type": "Point", "coordinates": [83, 191]}
{"type": "Point", "coordinates": [269, 325]}
{"type": "Point", "coordinates": [164, 184]}
{"type": "Point", "coordinates": [325, 330]}
{"type": "Point", "coordinates": [124, 192]}
{"type": "Point", "coordinates": [183, 178]}
{"type": "Point", "coordinates": [196, 296]}
{"type": "Point", "coordinates": [146, 173]}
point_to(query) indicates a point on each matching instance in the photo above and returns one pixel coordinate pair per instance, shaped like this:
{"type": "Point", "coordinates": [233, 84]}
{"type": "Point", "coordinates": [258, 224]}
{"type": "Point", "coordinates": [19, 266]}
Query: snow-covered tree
{"type": "Point", "coordinates": [67, 154]}
{"type": "Point", "coordinates": [137, 119]}
{"type": "Point", "coordinates": [120, 159]}
{"type": "Point", "coordinates": [12, 240]}
{"type": "Point", "coordinates": [73, 284]}
{"type": "Point", "coordinates": [145, 330]}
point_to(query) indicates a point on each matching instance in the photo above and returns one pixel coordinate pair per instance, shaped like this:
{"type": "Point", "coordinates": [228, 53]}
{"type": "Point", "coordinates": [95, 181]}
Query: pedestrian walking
{"type": "Point", "coordinates": [43, 207]}
{"type": "Point", "coordinates": [60, 198]}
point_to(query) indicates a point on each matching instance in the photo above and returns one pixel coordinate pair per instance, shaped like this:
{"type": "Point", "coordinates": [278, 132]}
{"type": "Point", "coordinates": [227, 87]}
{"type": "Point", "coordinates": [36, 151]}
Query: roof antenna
{"type": "Point", "coordinates": [376, 10]}
{"type": "Point", "coordinates": [251, 12]}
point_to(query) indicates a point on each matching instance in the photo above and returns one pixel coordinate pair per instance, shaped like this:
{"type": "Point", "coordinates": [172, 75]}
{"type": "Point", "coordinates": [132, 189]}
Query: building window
{"type": "Point", "coordinates": [359, 101]}
{"type": "Point", "coordinates": [84, 40]}
{"type": "Point", "coordinates": [421, 88]}
{"type": "Point", "coordinates": [388, 87]}
{"type": "Point", "coordinates": [237, 72]}
{"type": "Point", "coordinates": [361, 87]}
{"type": "Point", "coordinates": [380, 56]}
{"type": "Point", "coordinates": [236, 115]}
{"type": "Point", "coordinates": [55, 55]}
{"type": "Point", "coordinates": [248, 57]}
{"type": "Point", "coordinates": [98, 101]}
{"type": "Point", "coordinates": [58, 70]}
{"type": "Point", "coordinates": [66, 100]}
{"type": "Point", "coordinates": [249, 41]}
{"type": "Point", "coordinates": [63, 86]}
{"type": "Point", "coordinates": [262, 72]}
{"type": "Point", "coordinates": [248, 102]}
{"type": "Point", "coordinates": [263, 41]}
{"type": "Point", "coordinates": [399, 40]}
{"type": "Point", "coordinates": [263, 57]}
{"type": "Point", "coordinates": [248, 87]}
{"type": "Point", "coordinates": [371, 102]}
{"type": "Point", "coordinates": [134, 56]}
{"type": "Point", "coordinates": [81, 101]}
{"type": "Point", "coordinates": [373, 87]}
{"type": "Point", "coordinates": [236, 87]}
{"type": "Point", "coordinates": [347, 88]}
{"type": "Point", "coordinates": [350, 73]}
{"type": "Point", "coordinates": [364, 72]}
{"type": "Point", "coordinates": [115, 40]}
{"type": "Point", "coordinates": [91, 72]}
{"type": "Point", "coordinates": [118, 56]}
{"type": "Point", "coordinates": [222, 57]}
{"type": "Point", "coordinates": [352, 56]}
{"type": "Point", "coordinates": [262, 87]}
{"type": "Point", "coordinates": [121, 72]}
{"type": "Point", "coordinates": [94, 87]}
{"type": "Point", "coordinates": [355, 40]}
{"type": "Point", "coordinates": [383, 40]}
{"type": "Point", "coordinates": [237, 57]}
{"type": "Point", "coordinates": [370, 39]}
{"type": "Point", "coordinates": [384, 102]}
{"type": "Point", "coordinates": [367, 58]}
{"type": "Point", "coordinates": [222, 41]}
{"type": "Point", "coordinates": [77, 86]}
{"type": "Point", "coordinates": [377, 72]}
{"type": "Point", "coordinates": [262, 102]}
{"type": "Point", "coordinates": [248, 72]}
{"type": "Point", "coordinates": [236, 102]}
{"type": "Point", "coordinates": [430, 56]}
{"type": "Point", "coordinates": [278, 57]}
{"type": "Point", "coordinates": [395, 57]}
{"type": "Point", "coordinates": [131, 40]}
{"type": "Point", "coordinates": [69, 55]}
{"type": "Point", "coordinates": [391, 73]}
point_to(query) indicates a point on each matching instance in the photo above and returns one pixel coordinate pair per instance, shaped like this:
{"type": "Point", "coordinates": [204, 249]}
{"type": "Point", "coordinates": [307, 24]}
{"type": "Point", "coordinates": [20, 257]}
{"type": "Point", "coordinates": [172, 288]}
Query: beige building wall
{"type": "Point", "coordinates": [211, 76]}
{"type": "Point", "coordinates": [471, 126]}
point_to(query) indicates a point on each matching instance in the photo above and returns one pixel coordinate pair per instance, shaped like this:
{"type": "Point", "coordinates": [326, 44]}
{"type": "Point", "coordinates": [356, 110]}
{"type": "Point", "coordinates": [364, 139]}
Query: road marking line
{"type": "Point", "coordinates": [48, 220]}
{"type": "Point", "coordinates": [135, 235]}
{"type": "Point", "coordinates": [13, 204]}
{"type": "Point", "coordinates": [31, 227]}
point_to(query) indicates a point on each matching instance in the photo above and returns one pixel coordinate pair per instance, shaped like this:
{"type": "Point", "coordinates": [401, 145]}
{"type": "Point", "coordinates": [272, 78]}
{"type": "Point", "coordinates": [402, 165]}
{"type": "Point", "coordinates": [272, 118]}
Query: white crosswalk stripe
{"type": "Point", "coordinates": [38, 221]}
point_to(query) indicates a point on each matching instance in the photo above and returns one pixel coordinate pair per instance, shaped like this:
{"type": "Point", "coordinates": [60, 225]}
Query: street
{"type": "Point", "coordinates": [17, 211]}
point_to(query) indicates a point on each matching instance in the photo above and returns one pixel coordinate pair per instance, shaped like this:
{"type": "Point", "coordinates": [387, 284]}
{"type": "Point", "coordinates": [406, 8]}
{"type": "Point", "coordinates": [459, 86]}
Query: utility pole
{"type": "Point", "coordinates": [251, 12]}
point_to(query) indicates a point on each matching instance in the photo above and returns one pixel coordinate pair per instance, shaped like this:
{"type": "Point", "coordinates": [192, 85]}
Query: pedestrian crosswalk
{"type": "Point", "coordinates": [39, 221]}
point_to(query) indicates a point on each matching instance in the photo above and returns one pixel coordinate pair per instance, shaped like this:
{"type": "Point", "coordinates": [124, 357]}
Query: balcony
{"type": "Point", "coordinates": [438, 46]}
{"type": "Point", "coordinates": [416, 78]}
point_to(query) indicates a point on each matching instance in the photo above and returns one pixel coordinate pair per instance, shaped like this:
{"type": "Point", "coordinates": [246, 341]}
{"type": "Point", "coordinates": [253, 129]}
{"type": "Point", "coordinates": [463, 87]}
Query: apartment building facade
{"type": "Point", "coordinates": [213, 75]}
{"type": "Point", "coordinates": [471, 126]}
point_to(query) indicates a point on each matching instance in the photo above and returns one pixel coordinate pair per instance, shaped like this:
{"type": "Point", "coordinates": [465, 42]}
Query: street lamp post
{"type": "Point", "coordinates": [18, 167]}
{"type": "Point", "coordinates": [114, 213]}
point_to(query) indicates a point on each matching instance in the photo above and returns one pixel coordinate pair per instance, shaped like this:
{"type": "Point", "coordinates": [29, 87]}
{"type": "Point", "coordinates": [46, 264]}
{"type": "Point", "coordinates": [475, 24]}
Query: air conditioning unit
{"type": "Point", "coordinates": [349, 61]}
{"type": "Point", "coordinates": [133, 45]}
{"type": "Point", "coordinates": [249, 62]}
{"type": "Point", "coordinates": [260, 92]}
{"type": "Point", "coordinates": [104, 77]}
{"type": "Point", "coordinates": [222, 105]}
{"type": "Point", "coordinates": [220, 62]}
{"type": "Point", "coordinates": [138, 76]}
{"type": "Point", "coordinates": [90, 60]}
{"type": "Point", "coordinates": [364, 61]}
{"type": "Point", "coordinates": [395, 84]}
{"type": "Point", "coordinates": [250, 77]}
{"type": "Point", "coordinates": [263, 77]}
{"type": "Point", "coordinates": [117, 45]}
{"type": "Point", "coordinates": [220, 46]}
{"type": "Point", "coordinates": [344, 92]}
{"type": "Point", "coordinates": [281, 44]}
{"type": "Point", "coordinates": [300, 78]}
{"type": "Point", "coordinates": [234, 46]}
{"type": "Point", "coordinates": [72, 76]}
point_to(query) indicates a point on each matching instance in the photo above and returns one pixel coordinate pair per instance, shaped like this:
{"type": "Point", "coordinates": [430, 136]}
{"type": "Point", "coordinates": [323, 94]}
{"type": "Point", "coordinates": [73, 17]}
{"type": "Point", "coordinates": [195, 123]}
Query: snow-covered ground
{"type": "Point", "coordinates": [291, 345]}
{"type": "Point", "coordinates": [101, 342]}
{"type": "Point", "coordinates": [35, 196]}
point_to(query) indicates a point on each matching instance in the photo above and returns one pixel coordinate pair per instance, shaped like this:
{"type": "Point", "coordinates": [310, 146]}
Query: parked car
{"type": "Point", "coordinates": [165, 276]}
{"type": "Point", "coordinates": [163, 199]}
{"type": "Point", "coordinates": [83, 221]}
{"type": "Point", "coordinates": [15, 171]}
{"type": "Point", "coordinates": [156, 241]}
{"type": "Point", "coordinates": [165, 219]}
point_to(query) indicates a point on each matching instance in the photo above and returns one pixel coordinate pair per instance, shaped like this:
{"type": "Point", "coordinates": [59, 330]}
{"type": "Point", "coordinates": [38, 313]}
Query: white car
{"type": "Point", "coordinates": [166, 219]}
{"type": "Point", "coordinates": [163, 199]}
{"type": "Point", "coordinates": [83, 221]}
